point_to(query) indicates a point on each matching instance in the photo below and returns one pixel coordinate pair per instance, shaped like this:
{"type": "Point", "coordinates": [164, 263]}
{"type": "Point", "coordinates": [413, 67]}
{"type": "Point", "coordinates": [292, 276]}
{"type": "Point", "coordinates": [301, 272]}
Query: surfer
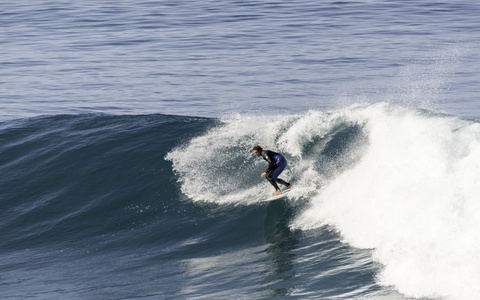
{"type": "Point", "coordinates": [276, 164]}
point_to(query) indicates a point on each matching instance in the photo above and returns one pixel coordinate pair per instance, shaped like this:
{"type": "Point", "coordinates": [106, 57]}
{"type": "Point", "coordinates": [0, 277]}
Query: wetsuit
{"type": "Point", "coordinates": [276, 164]}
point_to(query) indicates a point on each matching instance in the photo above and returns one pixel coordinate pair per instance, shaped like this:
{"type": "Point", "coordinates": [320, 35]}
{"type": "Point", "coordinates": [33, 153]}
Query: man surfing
{"type": "Point", "coordinates": [276, 165]}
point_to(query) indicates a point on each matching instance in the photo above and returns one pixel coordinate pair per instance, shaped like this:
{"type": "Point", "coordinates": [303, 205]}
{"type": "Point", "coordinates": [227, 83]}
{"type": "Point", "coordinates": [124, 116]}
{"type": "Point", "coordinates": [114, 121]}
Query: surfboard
{"type": "Point", "coordinates": [282, 195]}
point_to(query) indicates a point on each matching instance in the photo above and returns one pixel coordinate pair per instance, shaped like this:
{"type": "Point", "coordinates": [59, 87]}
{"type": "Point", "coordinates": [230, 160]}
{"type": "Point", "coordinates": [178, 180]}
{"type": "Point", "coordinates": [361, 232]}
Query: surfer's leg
{"type": "Point", "coordinates": [282, 182]}
{"type": "Point", "coordinates": [273, 182]}
{"type": "Point", "coordinates": [272, 176]}
{"type": "Point", "coordinates": [287, 184]}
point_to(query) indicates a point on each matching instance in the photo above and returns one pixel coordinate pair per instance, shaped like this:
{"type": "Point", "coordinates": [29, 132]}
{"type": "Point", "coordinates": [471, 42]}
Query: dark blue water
{"type": "Point", "coordinates": [90, 209]}
{"type": "Point", "coordinates": [125, 149]}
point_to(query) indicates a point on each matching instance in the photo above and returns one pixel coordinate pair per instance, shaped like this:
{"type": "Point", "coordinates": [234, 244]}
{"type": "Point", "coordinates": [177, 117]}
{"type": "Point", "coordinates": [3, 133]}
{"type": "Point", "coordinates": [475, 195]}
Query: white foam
{"type": "Point", "coordinates": [413, 198]}
{"type": "Point", "coordinates": [219, 166]}
{"type": "Point", "coordinates": [409, 190]}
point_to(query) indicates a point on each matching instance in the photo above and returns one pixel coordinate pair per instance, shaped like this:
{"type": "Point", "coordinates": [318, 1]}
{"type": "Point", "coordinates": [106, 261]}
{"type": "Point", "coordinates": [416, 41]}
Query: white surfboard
{"type": "Point", "coordinates": [282, 195]}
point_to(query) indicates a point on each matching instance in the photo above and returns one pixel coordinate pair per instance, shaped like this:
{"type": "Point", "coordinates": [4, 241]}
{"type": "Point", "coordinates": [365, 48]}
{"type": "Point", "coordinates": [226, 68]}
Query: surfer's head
{"type": "Point", "coordinates": [257, 150]}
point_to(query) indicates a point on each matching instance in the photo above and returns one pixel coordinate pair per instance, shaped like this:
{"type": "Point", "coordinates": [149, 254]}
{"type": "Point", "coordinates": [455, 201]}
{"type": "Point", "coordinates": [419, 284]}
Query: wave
{"type": "Point", "coordinates": [89, 202]}
{"type": "Point", "coordinates": [398, 182]}
{"type": "Point", "coordinates": [68, 178]}
{"type": "Point", "coordinates": [402, 182]}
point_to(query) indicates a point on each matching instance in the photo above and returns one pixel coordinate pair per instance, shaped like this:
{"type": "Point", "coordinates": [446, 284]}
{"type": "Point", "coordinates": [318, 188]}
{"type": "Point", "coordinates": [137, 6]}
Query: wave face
{"type": "Point", "coordinates": [88, 206]}
{"type": "Point", "coordinates": [384, 206]}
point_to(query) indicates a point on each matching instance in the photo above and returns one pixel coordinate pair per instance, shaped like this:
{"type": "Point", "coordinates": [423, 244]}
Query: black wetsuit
{"type": "Point", "coordinates": [276, 164]}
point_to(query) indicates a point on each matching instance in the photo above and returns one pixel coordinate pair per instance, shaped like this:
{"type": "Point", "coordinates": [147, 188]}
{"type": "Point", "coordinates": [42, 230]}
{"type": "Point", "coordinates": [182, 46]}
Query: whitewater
{"type": "Point", "coordinates": [400, 182]}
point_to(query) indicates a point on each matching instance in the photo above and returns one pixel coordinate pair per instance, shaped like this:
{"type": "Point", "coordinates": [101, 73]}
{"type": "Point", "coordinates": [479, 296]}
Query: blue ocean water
{"type": "Point", "coordinates": [125, 136]}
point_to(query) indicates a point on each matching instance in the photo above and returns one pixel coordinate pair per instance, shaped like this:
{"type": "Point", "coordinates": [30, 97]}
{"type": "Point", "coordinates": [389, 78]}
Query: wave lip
{"type": "Point", "coordinates": [219, 166]}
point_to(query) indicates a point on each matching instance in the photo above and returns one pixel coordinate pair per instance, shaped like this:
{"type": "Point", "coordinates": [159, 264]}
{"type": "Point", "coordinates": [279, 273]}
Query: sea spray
{"type": "Point", "coordinates": [219, 166]}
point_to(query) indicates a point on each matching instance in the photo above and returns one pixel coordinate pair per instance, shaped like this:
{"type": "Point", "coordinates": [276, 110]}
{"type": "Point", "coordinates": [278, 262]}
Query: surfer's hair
{"type": "Point", "coordinates": [257, 148]}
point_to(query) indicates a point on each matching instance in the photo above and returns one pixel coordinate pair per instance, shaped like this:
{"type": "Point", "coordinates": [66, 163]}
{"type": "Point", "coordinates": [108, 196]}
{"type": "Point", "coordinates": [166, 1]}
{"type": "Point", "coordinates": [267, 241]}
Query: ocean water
{"type": "Point", "coordinates": [125, 136]}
